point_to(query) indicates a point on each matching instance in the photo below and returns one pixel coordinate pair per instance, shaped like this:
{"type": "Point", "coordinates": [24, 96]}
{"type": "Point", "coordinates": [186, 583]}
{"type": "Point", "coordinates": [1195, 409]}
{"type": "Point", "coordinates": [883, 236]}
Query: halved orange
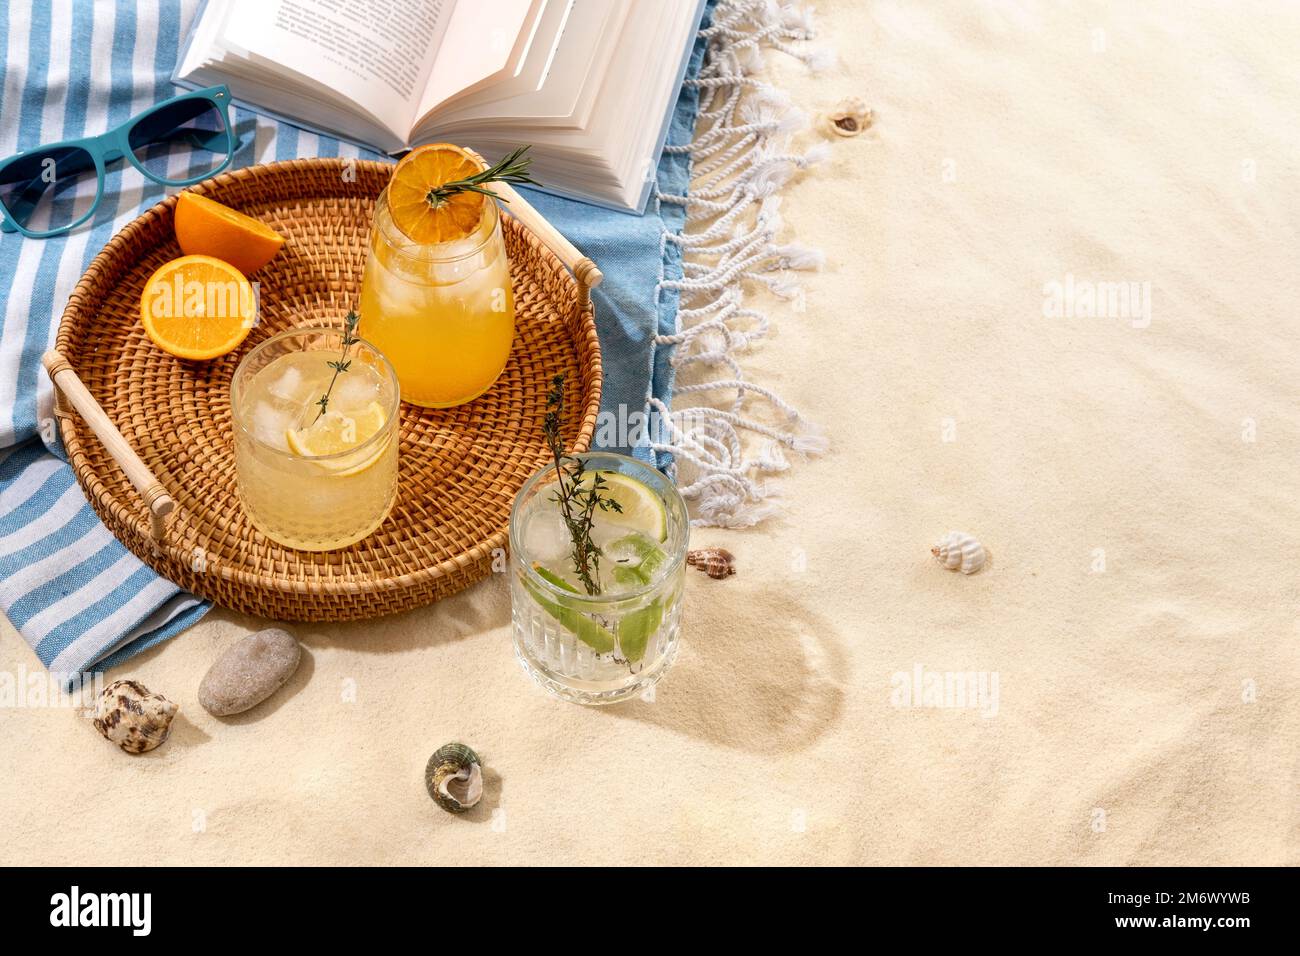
{"type": "Point", "coordinates": [423, 217]}
{"type": "Point", "coordinates": [207, 228]}
{"type": "Point", "coordinates": [197, 307]}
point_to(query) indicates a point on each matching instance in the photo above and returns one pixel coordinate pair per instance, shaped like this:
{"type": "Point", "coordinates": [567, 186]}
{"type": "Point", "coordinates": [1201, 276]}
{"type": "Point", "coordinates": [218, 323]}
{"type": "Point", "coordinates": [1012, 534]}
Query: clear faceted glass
{"type": "Point", "coordinates": [604, 648]}
{"type": "Point", "coordinates": [323, 502]}
{"type": "Point", "coordinates": [443, 313]}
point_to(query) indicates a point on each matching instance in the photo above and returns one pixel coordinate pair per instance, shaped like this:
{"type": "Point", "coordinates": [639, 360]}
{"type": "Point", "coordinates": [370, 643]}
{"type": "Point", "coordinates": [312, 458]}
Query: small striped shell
{"type": "Point", "coordinates": [958, 551]}
{"type": "Point", "coordinates": [454, 778]}
{"type": "Point", "coordinates": [717, 563]}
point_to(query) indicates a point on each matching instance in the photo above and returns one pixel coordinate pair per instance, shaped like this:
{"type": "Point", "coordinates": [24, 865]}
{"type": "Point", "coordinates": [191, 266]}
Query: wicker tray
{"type": "Point", "coordinates": [149, 436]}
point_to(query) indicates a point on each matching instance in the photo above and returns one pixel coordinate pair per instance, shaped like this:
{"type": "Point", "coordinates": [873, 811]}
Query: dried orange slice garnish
{"type": "Point", "coordinates": [423, 217]}
{"type": "Point", "coordinates": [207, 228]}
{"type": "Point", "coordinates": [197, 307]}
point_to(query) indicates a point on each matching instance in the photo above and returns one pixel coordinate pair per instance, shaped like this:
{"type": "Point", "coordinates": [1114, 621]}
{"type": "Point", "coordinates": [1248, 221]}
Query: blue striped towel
{"type": "Point", "coordinates": [74, 68]}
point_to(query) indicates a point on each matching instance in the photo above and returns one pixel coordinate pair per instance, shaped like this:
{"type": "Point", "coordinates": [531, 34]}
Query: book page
{"type": "Point", "coordinates": [576, 74]}
{"type": "Point", "coordinates": [377, 53]}
{"type": "Point", "coordinates": [534, 70]}
{"type": "Point", "coordinates": [610, 157]}
{"type": "Point", "coordinates": [484, 38]}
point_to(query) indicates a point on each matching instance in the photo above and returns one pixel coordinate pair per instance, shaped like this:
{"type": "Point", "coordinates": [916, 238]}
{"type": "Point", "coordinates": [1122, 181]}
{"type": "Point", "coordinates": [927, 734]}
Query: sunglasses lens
{"type": "Point", "coordinates": [49, 189]}
{"type": "Point", "coordinates": [181, 141]}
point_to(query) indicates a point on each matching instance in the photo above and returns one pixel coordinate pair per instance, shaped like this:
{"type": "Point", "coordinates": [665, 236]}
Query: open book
{"type": "Point", "coordinates": [590, 84]}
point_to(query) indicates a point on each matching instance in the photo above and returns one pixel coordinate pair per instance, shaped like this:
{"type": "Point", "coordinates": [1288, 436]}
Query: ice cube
{"type": "Point", "coordinates": [546, 538]}
{"type": "Point", "coordinates": [406, 297]}
{"type": "Point", "coordinates": [354, 390]}
{"type": "Point", "coordinates": [631, 561]}
{"type": "Point", "coordinates": [269, 424]}
{"type": "Point", "coordinates": [624, 549]}
{"type": "Point", "coordinates": [288, 385]}
{"type": "Point", "coordinates": [606, 528]}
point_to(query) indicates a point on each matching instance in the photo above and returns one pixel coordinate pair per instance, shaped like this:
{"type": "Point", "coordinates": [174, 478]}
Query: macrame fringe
{"type": "Point", "coordinates": [740, 161]}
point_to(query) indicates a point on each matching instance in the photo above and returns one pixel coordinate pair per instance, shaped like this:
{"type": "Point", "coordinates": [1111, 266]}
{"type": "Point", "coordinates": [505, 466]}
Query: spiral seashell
{"type": "Point", "coordinates": [717, 563]}
{"type": "Point", "coordinates": [849, 118]}
{"type": "Point", "coordinates": [454, 778]}
{"type": "Point", "coordinates": [134, 718]}
{"type": "Point", "coordinates": [958, 551]}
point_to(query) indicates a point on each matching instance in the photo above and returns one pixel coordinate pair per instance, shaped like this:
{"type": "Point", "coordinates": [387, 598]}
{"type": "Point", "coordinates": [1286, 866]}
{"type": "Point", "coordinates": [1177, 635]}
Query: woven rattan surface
{"type": "Point", "coordinates": [459, 468]}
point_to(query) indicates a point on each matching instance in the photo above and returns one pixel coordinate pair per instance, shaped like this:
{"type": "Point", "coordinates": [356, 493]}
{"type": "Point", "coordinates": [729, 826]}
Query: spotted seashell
{"type": "Point", "coordinates": [454, 778]}
{"type": "Point", "coordinates": [133, 717]}
{"type": "Point", "coordinates": [958, 551]}
{"type": "Point", "coordinates": [849, 118]}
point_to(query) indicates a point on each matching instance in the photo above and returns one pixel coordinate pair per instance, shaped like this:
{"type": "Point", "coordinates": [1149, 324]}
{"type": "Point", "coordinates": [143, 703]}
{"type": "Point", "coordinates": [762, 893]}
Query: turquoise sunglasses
{"type": "Point", "coordinates": [49, 190]}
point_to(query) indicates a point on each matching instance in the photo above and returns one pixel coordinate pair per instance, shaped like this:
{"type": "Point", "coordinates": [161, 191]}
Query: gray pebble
{"type": "Point", "coordinates": [249, 672]}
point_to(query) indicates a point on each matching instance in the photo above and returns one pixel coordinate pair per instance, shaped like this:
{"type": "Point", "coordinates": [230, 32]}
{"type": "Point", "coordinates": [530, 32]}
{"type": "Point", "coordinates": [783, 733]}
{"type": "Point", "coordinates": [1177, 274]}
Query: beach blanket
{"type": "Point", "coordinates": [77, 596]}
{"type": "Point", "coordinates": [72, 69]}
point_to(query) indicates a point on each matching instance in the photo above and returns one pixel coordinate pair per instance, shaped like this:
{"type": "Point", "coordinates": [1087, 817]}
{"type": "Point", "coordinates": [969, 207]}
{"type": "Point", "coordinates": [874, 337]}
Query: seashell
{"type": "Point", "coordinates": [849, 118]}
{"type": "Point", "coordinates": [715, 562]}
{"type": "Point", "coordinates": [454, 777]}
{"type": "Point", "coordinates": [958, 551]}
{"type": "Point", "coordinates": [133, 717]}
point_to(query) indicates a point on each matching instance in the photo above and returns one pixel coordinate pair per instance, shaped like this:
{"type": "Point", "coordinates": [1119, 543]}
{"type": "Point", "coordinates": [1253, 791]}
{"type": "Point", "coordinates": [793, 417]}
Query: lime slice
{"type": "Point", "coordinates": [629, 578]}
{"type": "Point", "coordinates": [641, 509]}
{"type": "Point", "coordinates": [598, 638]}
{"type": "Point", "coordinates": [550, 577]}
{"type": "Point", "coordinates": [634, 630]}
{"type": "Point", "coordinates": [640, 558]}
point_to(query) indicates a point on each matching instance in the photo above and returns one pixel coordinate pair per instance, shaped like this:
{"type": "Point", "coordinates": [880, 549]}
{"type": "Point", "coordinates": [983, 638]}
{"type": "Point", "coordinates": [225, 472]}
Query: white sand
{"type": "Point", "coordinates": [1170, 157]}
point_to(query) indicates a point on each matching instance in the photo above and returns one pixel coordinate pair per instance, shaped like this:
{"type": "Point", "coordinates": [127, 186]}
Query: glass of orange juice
{"type": "Point", "coordinates": [436, 296]}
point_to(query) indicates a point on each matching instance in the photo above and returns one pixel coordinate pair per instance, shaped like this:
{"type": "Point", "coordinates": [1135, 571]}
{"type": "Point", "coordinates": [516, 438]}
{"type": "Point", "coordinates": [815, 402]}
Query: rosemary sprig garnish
{"type": "Point", "coordinates": [578, 501]}
{"type": "Point", "coordinates": [343, 363]}
{"type": "Point", "coordinates": [513, 169]}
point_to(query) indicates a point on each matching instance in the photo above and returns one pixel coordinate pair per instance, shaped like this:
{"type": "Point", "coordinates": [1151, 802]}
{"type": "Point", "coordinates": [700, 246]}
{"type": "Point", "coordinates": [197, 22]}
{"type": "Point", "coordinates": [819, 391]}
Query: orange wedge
{"type": "Point", "coordinates": [427, 219]}
{"type": "Point", "coordinates": [207, 228]}
{"type": "Point", "coordinates": [197, 307]}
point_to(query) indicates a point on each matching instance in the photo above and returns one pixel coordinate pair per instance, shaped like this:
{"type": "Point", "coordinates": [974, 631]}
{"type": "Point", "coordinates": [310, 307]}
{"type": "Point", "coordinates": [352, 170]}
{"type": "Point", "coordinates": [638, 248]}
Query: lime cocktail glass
{"type": "Point", "coordinates": [605, 647]}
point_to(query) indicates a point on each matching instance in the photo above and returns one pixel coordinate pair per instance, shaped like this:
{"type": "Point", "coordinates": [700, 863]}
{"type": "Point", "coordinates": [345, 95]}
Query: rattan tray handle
{"type": "Point", "coordinates": [583, 269]}
{"type": "Point", "coordinates": [156, 499]}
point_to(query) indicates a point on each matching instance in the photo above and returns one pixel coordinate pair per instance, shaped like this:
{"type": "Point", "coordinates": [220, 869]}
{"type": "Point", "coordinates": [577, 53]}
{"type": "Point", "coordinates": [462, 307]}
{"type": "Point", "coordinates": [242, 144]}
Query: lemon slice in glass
{"type": "Point", "coordinates": [335, 433]}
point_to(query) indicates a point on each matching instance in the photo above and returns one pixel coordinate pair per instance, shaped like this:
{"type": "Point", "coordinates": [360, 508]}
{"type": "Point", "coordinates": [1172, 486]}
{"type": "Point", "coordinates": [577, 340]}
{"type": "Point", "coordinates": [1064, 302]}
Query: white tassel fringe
{"type": "Point", "coordinates": [740, 161]}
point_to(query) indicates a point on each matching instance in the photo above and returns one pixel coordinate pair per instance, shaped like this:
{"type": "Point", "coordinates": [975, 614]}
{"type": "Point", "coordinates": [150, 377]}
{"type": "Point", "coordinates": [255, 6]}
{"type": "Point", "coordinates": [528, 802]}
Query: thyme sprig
{"type": "Point", "coordinates": [578, 500]}
{"type": "Point", "coordinates": [513, 169]}
{"type": "Point", "coordinates": [343, 363]}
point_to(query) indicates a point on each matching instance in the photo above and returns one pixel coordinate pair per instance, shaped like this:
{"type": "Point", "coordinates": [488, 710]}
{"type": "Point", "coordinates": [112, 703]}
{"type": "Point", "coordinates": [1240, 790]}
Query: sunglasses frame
{"type": "Point", "coordinates": [115, 144]}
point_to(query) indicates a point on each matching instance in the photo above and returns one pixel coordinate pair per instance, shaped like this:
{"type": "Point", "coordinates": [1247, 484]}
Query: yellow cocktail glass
{"type": "Point", "coordinates": [443, 313]}
{"type": "Point", "coordinates": [290, 492]}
